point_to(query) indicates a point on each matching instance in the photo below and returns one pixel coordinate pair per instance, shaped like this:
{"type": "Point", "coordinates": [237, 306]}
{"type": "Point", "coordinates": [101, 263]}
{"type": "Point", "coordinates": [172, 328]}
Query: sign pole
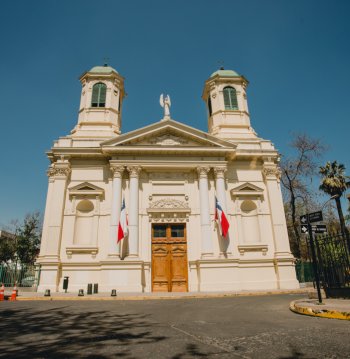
{"type": "Point", "coordinates": [314, 263]}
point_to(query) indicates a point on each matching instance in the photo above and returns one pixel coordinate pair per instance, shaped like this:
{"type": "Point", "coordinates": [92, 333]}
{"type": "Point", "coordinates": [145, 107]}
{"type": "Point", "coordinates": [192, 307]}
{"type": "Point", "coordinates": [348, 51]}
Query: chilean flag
{"type": "Point", "coordinates": [123, 223]}
{"type": "Point", "coordinates": [221, 219]}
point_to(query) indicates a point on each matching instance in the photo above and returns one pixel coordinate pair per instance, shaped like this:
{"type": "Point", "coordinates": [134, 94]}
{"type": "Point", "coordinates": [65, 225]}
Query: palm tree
{"type": "Point", "coordinates": [334, 182]}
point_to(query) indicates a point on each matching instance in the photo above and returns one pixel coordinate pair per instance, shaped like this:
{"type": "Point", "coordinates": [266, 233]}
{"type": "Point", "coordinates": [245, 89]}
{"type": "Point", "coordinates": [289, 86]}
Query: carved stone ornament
{"type": "Point", "coordinates": [58, 171]}
{"type": "Point", "coordinates": [272, 172]}
{"type": "Point", "coordinates": [168, 140]}
{"type": "Point", "coordinates": [134, 171]}
{"type": "Point", "coordinates": [117, 171]}
{"type": "Point", "coordinates": [220, 172]}
{"type": "Point", "coordinates": [203, 171]}
{"type": "Point", "coordinates": [169, 204]}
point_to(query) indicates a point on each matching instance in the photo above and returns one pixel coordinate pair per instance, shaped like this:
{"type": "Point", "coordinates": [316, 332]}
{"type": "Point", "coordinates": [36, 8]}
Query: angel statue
{"type": "Point", "coordinates": [165, 103]}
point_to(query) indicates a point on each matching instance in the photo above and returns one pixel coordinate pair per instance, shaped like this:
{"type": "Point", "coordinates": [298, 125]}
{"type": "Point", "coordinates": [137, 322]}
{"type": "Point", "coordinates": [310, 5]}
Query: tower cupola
{"type": "Point", "coordinates": [225, 96]}
{"type": "Point", "coordinates": [101, 103]}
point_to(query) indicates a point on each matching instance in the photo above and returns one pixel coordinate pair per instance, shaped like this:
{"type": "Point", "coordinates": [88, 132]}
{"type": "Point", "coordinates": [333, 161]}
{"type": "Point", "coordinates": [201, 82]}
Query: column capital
{"type": "Point", "coordinates": [59, 170]}
{"type": "Point", "coordinates": [134, 171]}
{"type": "Point", "coordinates": [203, 171]}
{"type": "Point", "coordinates": [272, 172]}
{"type": "Point", "coordinates": [220, 172]}
{"type": "Point", "coordinates": [117, 170]}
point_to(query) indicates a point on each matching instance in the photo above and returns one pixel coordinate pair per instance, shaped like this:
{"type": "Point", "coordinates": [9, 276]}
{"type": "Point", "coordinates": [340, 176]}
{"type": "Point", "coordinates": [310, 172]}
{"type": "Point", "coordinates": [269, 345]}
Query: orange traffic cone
{"type": "Point", "coordinates": [14, 293]}
{"type": "Point", "coordinates": [2, 292]}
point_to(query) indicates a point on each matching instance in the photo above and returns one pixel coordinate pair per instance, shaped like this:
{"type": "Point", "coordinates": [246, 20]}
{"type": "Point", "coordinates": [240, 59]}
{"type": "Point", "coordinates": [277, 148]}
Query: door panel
{"type": "Point", "coordinates": [169, 258]}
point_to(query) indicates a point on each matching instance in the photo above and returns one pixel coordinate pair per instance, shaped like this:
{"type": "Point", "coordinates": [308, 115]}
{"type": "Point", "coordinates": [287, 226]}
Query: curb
{"type": "Point", "coordinates": [194, 296]}
{"type": "Point", "coordinates": [314, 312]}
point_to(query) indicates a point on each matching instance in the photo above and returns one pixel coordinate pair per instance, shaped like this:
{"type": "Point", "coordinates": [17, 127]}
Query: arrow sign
{"type": "Point", "coordinates": [315, 217]}
{"type": "Point", "coordinates": [304, 219]}
{"type": "Point", "coordinates": [304, 228]}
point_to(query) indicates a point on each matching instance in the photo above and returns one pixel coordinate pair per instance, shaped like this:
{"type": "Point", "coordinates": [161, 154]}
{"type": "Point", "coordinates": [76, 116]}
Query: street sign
{"type": "Point", "coordinates": [304, 219]}
{"type": "Point", "coordinates": [311, 217]}
{"type": "Point", "coordinates": [320, 228]}
{"type": "Point", "coordinates": [304, 228]}
{"type": "Point", "coordinates": [315, 217]}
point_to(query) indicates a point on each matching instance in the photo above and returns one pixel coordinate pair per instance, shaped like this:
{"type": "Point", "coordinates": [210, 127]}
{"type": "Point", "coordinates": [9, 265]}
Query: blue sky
{"type": "Point", "coordinates": [296, 55]}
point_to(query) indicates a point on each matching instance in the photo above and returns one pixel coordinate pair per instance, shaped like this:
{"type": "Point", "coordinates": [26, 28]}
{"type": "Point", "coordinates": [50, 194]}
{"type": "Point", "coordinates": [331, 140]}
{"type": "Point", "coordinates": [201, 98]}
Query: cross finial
{"type": "Point", "coordinates": [105, 61]}
{"type": "Point", "coordinates": [221, 64]}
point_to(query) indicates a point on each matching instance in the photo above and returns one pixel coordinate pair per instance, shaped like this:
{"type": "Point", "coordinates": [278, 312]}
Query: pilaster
{"type": "Point", "coordinates": [207, 244]}
{"type": "Point", "coordinates": [133, 217]}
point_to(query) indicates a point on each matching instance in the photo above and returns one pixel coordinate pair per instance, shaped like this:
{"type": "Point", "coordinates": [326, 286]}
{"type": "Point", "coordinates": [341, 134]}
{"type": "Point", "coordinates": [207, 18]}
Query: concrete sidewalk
{"type": "Point", "coordinates": [330, 308]}
{"type": "Point", "coordinates": [30, 295]}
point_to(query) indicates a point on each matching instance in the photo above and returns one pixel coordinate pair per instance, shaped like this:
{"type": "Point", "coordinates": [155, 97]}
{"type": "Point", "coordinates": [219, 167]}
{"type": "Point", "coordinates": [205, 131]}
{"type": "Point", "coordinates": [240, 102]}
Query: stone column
{"type": "Point", "coordinates": [59, 172]}
{"type": "Point", "coordinates": [207, 245]}
{"type": "Point", "coordinates": [279, 227]}
{"type": "Point", "coordinates": [283, 261]}
{"type": "Point", "coordinates": [133, 217]}
{"type": "Point", "coordinates": [221, 196]}
{"type": "Point", "coordinates": [114, 248]}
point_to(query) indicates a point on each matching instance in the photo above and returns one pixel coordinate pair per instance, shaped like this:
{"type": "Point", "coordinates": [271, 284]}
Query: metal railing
{"type": "Point", "coordinates": [25, 276]}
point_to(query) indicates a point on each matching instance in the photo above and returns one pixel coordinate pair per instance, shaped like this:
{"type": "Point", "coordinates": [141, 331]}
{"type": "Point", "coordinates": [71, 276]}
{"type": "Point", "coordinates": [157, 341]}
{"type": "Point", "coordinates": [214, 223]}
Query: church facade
{"type": "Point", "coordinates": [169, 175]}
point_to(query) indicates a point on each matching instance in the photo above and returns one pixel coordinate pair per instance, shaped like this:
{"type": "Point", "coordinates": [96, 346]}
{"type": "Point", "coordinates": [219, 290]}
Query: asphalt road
{"type": "Point", "coordinates": [239, 327]}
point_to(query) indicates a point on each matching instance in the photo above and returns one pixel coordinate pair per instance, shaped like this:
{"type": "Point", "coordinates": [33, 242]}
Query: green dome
{"type": "Point", "coordinates": [225, 73]}
{"type": "Point", "coordinates": [103, 69]}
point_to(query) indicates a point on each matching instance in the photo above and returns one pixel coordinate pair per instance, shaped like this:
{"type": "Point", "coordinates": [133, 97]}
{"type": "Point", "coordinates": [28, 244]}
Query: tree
{"type": "Point", "coordinates": [7, 249]}
{"type": "Point", "coordinates": [28, 238]}
{"type": "Point", "coordinates": [334, 183]}
{"type": "Point", "coordinates": [295, 173]}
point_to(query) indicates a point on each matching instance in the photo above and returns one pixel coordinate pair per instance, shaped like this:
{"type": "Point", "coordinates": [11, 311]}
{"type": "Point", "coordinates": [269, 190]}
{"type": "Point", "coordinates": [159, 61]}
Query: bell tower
{"type": "Point", "coordinates": [228, 115]}
{"type": "Point", "coordinates": [100, 104]}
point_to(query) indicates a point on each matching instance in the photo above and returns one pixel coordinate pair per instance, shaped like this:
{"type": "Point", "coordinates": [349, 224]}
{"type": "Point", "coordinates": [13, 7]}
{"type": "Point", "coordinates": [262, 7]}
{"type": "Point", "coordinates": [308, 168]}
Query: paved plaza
{"type": "Point", "coordinates": [233, 327]}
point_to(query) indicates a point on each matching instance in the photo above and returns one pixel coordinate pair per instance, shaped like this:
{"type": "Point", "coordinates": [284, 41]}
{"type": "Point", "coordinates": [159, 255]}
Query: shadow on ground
{"type": "Point", "coordinates": [59, 333]}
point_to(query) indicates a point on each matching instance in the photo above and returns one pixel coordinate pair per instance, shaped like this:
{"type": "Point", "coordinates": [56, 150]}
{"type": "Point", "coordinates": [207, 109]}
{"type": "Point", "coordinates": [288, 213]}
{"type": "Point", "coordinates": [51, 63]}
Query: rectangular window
{"type": "Point", "coordinates": [178, 231]}
{"type": "Point", "coordinates": [159, 231]}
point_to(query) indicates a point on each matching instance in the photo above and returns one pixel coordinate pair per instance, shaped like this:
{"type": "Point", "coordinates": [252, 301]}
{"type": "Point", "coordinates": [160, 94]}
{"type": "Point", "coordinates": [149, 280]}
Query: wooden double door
{"type": "Point", "coordinates": [169, 258]}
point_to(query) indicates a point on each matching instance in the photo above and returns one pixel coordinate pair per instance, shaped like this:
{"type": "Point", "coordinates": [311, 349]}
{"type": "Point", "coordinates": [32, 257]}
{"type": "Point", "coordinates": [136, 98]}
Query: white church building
{"type": "Point", "coordinates": [169, 175]}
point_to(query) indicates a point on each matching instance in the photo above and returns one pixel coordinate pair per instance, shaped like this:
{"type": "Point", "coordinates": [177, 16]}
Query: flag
{"type": "Point", "coordinates": [123, 223]}
{"type": "Point", "coordinates": [221, 219]}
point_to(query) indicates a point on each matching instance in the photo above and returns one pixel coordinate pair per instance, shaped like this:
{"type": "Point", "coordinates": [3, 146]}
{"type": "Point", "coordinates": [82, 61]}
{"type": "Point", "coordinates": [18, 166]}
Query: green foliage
{"type": "Point", "coordinates": [7, 250]}
{"type": "Point", "coordinates": [334, 181]}
{"type": "Point", "coordinates": [28, 238]}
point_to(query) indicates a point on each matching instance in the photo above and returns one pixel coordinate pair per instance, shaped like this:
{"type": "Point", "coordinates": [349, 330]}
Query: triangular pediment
{"type": "Point", "coordinates": [86, 188]}
{"type": "Point", "coordinates": [168, 133]}
{"type": "Point", "coordinates": [247, 189]}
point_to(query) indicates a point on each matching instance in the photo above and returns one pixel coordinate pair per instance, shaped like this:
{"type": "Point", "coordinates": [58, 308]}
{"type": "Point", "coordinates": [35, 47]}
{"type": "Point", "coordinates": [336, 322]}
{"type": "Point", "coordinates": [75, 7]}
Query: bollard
{"type": "Point", "coordinates": [95, 288]}
{"type": "Point", "coordinates": [47, 293]}
{"type": "Point", "coordinates": [114, 293]}
{"type": "Point", "coordinates": [81, 293]}
{"type": "Point", "coordinates": [89, 289]}
{"type": "Point", "coordinates": [65, 283]}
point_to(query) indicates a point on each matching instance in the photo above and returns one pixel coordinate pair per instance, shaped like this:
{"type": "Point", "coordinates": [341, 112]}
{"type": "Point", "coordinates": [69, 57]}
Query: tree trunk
{"type": "Point", "coordinates": [341, 217]}
{"type": "Point", "coordinates": [295, 224]}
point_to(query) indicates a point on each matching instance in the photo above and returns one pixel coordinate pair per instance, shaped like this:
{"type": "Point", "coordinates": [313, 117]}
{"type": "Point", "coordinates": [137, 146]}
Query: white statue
{"type": "Point", "coordinates": [165, 103]}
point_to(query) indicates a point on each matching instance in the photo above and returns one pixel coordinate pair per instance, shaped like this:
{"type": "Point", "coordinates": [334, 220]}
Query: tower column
{"type": "Point", "coordinates": [283, 261]}
{"type": "Point", "coordinates": [133, 218]}
{"type": "Point", "coordinates": [114, 248]}
{"type": "Point", "coordinates": [49, 257]}
{"type": "Point", "coordinates": [207, 245]}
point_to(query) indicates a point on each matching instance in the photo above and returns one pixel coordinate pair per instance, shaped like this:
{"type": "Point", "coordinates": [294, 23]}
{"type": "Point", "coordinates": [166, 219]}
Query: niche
{"type": "Point", "coordinates": [250, 222]}
{"type": "Point", "coordinates": [84, 223]}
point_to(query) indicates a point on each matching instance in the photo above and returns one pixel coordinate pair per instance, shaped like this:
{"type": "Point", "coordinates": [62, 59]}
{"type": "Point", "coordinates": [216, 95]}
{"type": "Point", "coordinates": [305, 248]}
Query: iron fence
{"type": "Point", "coordinates": [333, 262]}
{"type": "Point", "coordinates": [23, 275]}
